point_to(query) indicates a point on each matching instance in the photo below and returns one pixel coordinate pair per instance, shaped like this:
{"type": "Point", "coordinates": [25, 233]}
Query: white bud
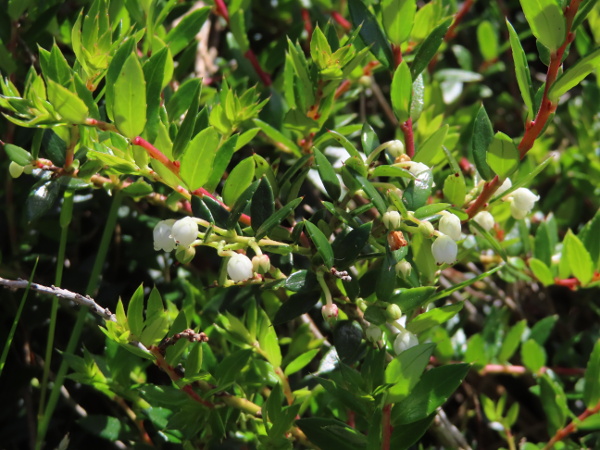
{"type": "Point", "coordinates": [393, 312]}
{"type": "Point", "coordinates": [450, 225]}
{"type": "Point", "coordinates": [162, 236]}
{"type": "Point", "coordinates": [261, 264]}
{"type": "Point", "coordinates": [444, 250]}
{"type": "Point", "coordinates": [185, 231]}
{"type": "Point", "coordinates": [405, 340]}
{"type": "Point", "coordinates": [426, 228]}
{"type": "Point", "coordinates": [185, 254]}
{"type": "Point", "coordinates": [329, 311]}
{"type": "Point", "coordinates": [403, 268]}
{"type": "Point", "coordinates": [396, 148]}
{"type": "Point", "coordinates": [504, 187]}
{"type": "Point", "coordinates": [392, 220]}
{"type": "Point", "coordinates": [239, 268]}
{"type": "Point", "coordinates": [485, 220]}
{"type": "Point", "coordinates": [373, 333]}
{"type": "Point", "coordinates": [419, 170]}
{"type": "Point", "coordinates": [15, 169]}
{"type": "Point", "coordinates": [524, 199]}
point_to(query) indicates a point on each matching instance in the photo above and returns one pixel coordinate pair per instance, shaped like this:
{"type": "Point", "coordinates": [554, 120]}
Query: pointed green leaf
{"type": "Point", "coordinates": [541, 271]}
{"type": "Point", "coordinates": [276, 218]}
{"type": "Point", "coordinates": [321, 243]}
{"type": "Point", "coordinates": [521, 69]}
{"type": "Point", "coordinates": [238, 180]}
{"type": "Point", "coordinates": [502, 156]}
{"type": "Point", "coordinates": [401, 92]}
{"type": "Point", "coordinates": [130, 98]}
{"type": "Point", "coordinates": [547, 22]}
{"type": "Point", "coordinates": [17, 154]}
{"type": "Point", "coordinates": [533, 355]}
{"type": "Point", "coordinates": [370, 32]}
{"type": "Point", "coordinates": [197, 161]}
{"type": "Point", "coordinates": [135, 312]}
{"type": "Point", "coordinates": [240, 204]}
{"type": "Point", "coordinates": [429, 47]}
{"type": "Point", "coordinates": [186, 130]}
{"type": "Point", "coordinates": [398, 17]}
{"type": "Point", "coordinates": [263, 204]}
{"type": "Point", "coordinates": [70, 107]}
{"type": "Point", "coordinates": [573, 76]}
{"type": "Point", "coordinates": [455, 189]}
{"type": "Point", "coordinates": [186, 30]}
{"type": "Point", "coordinates": [483, 136]}
{"type": "Point", "coordinates": [579, 259]}
{"type": "Point", "coordinates": [591, 390]}
{"type": "Point", "coordinates": [328, 176]}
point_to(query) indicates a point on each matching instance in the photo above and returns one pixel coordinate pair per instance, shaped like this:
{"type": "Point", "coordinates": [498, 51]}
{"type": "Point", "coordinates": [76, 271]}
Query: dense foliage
{"type": "Point", "coordinates": [354, 224]}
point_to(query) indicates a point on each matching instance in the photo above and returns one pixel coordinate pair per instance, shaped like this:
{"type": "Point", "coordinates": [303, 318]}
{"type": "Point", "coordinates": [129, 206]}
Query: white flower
{"type": "Point", "coordinates": [403, 268]}
{"type": "Point", "coordinates": [444, 250]}
{"type": "Point", "coordinates": [329, 311]}
{"type": "Point", "coordinates": [522, 201]}
{"type": "Point", "coordinates": [485, 220]}
{"type": "Point", "coordinates": [450, 225]}
{"type": "Point", "coordinates": [185, 231]}
{"type": "Point", "coordinates": [419, 170]}
{"type": "Point", "coordinates": [504, 187]}
{"type": "Point", "coordinates": [239, 268]}
{"type": "Point", "coordinates": [162, 236]}
{"type": "Point", "coordinates": [426, 228]}
{"type": "Point", "coordinates": [391, 220]}
{"type": "Point", "coordinates": [373, 333]}
{"type": "Point", "coordinates": [396, 148]}
{"type": "Point", "coordinates": [405, 340]}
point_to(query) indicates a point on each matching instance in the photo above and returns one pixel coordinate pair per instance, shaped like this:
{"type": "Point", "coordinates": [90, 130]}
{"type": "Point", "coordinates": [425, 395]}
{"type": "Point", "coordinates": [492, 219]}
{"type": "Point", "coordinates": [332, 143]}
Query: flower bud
{"type": "Point", "coordinates": [403, 268]}
{"type": "Point", "coordinates": [261, 264]}
{"type": "Point", "coordinates": [426, 228]}
{"type": "Point", "coordinates": [450, 225]}
{"type": "Point", "coordinates": [396, 148]}
{"type": "Point", "coordinates": [505, 186]}
{"type": "Point", "coordinates": [185, 254]}
{"type": "Point", "coordinates": [393, 312]}
{"type": "Point", "coordinates": [444, 250]}
{"type": "Point", "coordinates": [329, 311]}
{"type": "Point", "coordinates": [405, 340]}
{"type": "Point", "coordinates": [362, 305]}
{"type": "Point", "coordinates": [391, 220]}
{"type": "Point", "coordinates": [485, 220]}
{"type": "Point", "coordinates": [396, 240]}
{"type": "Point", "coordinates": [162, 236]}
{"type": "Point", "coordinates": [185, 231]}
{"type": "Point", "coordinates": [373, 333]}
{"type": "Point", "coordinates": [15, 169]}
{"type": "Point", "coordinates": [523, 199]}
{"type": "Point", "coordinates": [240, 268]}
{"type": "Point", "coordinates": [418, 169]}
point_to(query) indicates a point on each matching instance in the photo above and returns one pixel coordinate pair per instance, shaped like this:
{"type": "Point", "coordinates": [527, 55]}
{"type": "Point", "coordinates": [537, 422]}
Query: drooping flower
{"type": "Point", "coordinates": [392, 220]}
{"type": "Point", "coordinates": [521, 202]}
{"type": "Point", "coordinates": [329, 311]}
{"type": "Point", "coordinates": [403, 268]}
{"type": "Point", "coordinates": [239, 268]}
{"type": "Point", "coordinates": [185, 231]}
{"type": "Point", "coordinates": [396, 148]}
{"type": "Point", "coordinates": [505, 186]}
{"type": "Point", "coordinates": [404, 340]}
{"type": "Point", "coordinates": [162, 236]}
{"type": "Point", "coordinates": [485, 220]}
{"type": "Point", "coordinates": [444, 250]}
{"type": "Point", "coordinates": [450, 225]}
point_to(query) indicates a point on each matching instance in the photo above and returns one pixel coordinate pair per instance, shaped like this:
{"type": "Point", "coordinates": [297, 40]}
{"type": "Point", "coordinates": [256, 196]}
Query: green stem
{"type": "Point", "coordinates": [78, 327]}
{"type": "Point", "coordinates": [66, 214]}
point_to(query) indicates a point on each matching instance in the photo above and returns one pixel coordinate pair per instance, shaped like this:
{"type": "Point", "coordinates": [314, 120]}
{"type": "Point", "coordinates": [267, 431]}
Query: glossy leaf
{"type": "Point", "coordinates": [348, 247]}
{"type": "Point", "coordinates": [240, 204]}
{"type": "Point", "coordinates": [455, 189]}
{"type": "Point", "coordinates": [186, 130]}
{"type": "Point", "coordinates": [554, 403]}
{"type": "Point", "coordinates": [321, 243]}
{"type": "Point", "coordinates": [410, 299]}
{"type": "Point", "coordinates": [488, 41]}
{"type": "Point", "coordinates": [277, 218]}
{"type": "Point", "coordinates": [370, 32]}
{"type": "Point", "coordinates": [573, 76]}
{"type": "Point", "coordinates": [328, 176]}
{"type": "Point", "coordinates": [483, 136]}
{"type": "Point", "coordinates": [130, 98]}
{"type": "Point", "coordinates": [521, 69]}
{"type": "Point", "coordinates": [17, 154]}
{"type": "Point", "coordinates": [547, 21]}
{"type": "Point", "coordinates": [196, 163]}
{"type": "Point", "coordinates": [405, 370]}
{"type": "Point", "coordinates": [401, 92]}
{"type": "Point", "coordinates": [185, 31]}
{"type": "Point", "coordinates": [386, 280]}
{"type": "Point", "coordinates": [295, 306]}
{"type": "Point", "coordinates": [398, 17]}
{"type": "Point", "coordinates": [239, 179]}
{"type": "Point", "coordinates": [347, 339]}
{"type": "Point", "coordinates": [502, 156]}
{"type": "Point", "coordinates": [371, 192]}
{"type": "Point", "coordinates": [430, 152]}
{"type": "Point", "coordinates": [154, 74]}
{"type": "Point", "coordinates": [579, 259]}
{"type": "Point", "coordinates": [432, 318]}
{"type": "Point", "coordinates": [300, 362]}
{"type": "Point", "coordinates": [135, 312]}
{"type": "Point", "coordinates": [70, 107]}
{"type": "Point", "coordinates": [263, 204]}
{"type": "Point", "coordinates": [511, 341]}
{"type": "Point", "coordinates": [541, 271]}
{"type": "Point", "coordinates": [331, 433]}
{"type": "Point", "coordinates": [429, 47]}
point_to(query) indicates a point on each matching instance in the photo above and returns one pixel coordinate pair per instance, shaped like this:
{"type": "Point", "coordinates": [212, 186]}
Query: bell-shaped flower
{"type": "Point", "coordinates": [162, 236]}
{"type": "Point", "coordinates": [391, 220]}
{"type": "Point", "coordinates": [444, 250]}
{"type": "Point", "coordinates": [329, 311]}
{"type": "Point", "coordinates": [450, 225]}
{"type": "Point", "coordinates": [485, 220]}
{"type": "Point", "coordinates": [239, 268]}
{"type": "Point", "coordinates": [505, 186]}
{"type": "Point", "coordinates": [185, 231]}
{"type": "Point", "coordinates": [261, 264]}
{"type": "Point", "coordinates": [522, 202]}
{"type": "Point", "coordinates": [403, 268]}
{"type": "Point", "coordinates": [396, 148]}
{"type": "Point", "coordinates": [404, 340]}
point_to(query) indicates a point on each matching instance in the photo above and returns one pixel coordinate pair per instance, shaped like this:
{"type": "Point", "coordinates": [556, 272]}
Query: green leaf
{"type": "Point", "coordinates": [573, 76]}
{"type": "Point", "coordinates": [533, 355]}
{"type": "Point", "coordinates": [386, 279]}
{"type": "Point", "coordinates": [579, 259]}
{"type": "Point", "coordinates": [483, 136]}
{"type": "Point", "coordinates": [135, 312]}
{"type": "Point", "coordinates": [511, 341]}
{"type": "Point", "coordinates": [410, 299]}
{"type": "Point", "coordinates": [17, 154]}
{"type": "Point", "coordinates": [114, 69]}
{"type": "Point", "coordinates": [41, 199]}
{"type": "Point", "coordinates": [186, 130]}
{"type": "Point", "coordinates": [521, 69]}
{"type": "Point", "coordinates": [401, 92]}
{"type": "Point", "coordinates": [429, 47]}
{"type": "Point", "coordinates": [398, 17]}
{"type": "Point", "coordinates": [276, 218]}
{"type": "Point", "coordinates": [541, 271]}
{"type": "Point", "coordinates": [542, 329]}
{"type": "Point", "coordinates": [331, 433]}
{"type": "Point", "coordinates": [263, 204]}
{"type": "Point", "coordinates": [591, 389]}
{"type": "Point", "coordinates": [547, 22]}
{"type": "Point", "coordinates": [502, 156]}
{"type": "Point", "coordinates": [237, 24]}
{"type": "Point", "coordinates": [222, 159]}
{"type": "Point", "coordinates": [154, 74]}
{"type": "Point", "coordinates": [321, 243]}
{"type": "Point", "coordinates": [182, 98]}
{"type": "Point", "coordinates": [130, 98]}
{"type": "Point", "coordinates": [455, 189]}
{"type": "Point", "coordinates": [70, 107]}
{"type": "Point", "coordinates": [343, 140]}
{"type": "Point", "coordinates": [430, 152]}
{"type": "Point", "coordinates": [368, 139]}
{"type": "Point", "coordinates": [267, 338]}
{"type": "Point", "coordinates": [196, 163]}
{"type": "Point", "coordinates": [590, 236]}
{"type": "Point", "coordinates": [432, 318]}
{"type": "Point", "coordinates": [405, 370]}
{"type": "Point", "coordinates": [300, 362]}
{"type": "Point", "coordinates": [295, 306]}
{"type": "Point", "coordinates": [348, 247]}
{"type": "Point", "coordinates": [432, 390]}
{"type": "Point", "coordinates": [281, 141]}
{"type": "Point", "coordinates": [106, 427]}
{"type": "Point", "coordinates": [328, 175]}
{"type": "Point", "coordinates": [347, 339]}
{"type": "Point", "coordinates": [240, 205]}
{"type": "Point", "coordinates": [239, 179]}
{"type": "Point", "coordinates": [186, 30]}
{"type": "Point", "coordinates": [554, 403]}
{"type": "Point", "coordinates": [371, 192]}
{"type": "Point", "coordinates": [488, 41]}
{"type": "Point", "coordinates": [370, 32]}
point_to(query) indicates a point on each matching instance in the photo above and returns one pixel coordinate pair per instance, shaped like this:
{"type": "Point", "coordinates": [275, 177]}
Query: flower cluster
{"type": "Point", "coordinates": [168, 234]}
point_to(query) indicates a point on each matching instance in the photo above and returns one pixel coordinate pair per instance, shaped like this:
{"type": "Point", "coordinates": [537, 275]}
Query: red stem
{"type": "Point", "coordinates": [222, 10]}
{"type": "Point", "coordinates": [534, 128]}
{"type": "Point", "coordinates": [572, 427]}
{"type": "Point", "coordinates": [397, 51]}
{"type": "Point", "coordinates": [156, 154]}
{"type": "Point", "coordinates": [409, 137]}
{"type": "Point", "coordinates": [341, 21]}
{"type": "Point", "coordinates": [307, 23]}
{"type": "Point", "coordinates": [265, 78]}
{"type": "Point", "coordinates": [451, 33]}
{"type": "Point", "coordinates": [386, 427]}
